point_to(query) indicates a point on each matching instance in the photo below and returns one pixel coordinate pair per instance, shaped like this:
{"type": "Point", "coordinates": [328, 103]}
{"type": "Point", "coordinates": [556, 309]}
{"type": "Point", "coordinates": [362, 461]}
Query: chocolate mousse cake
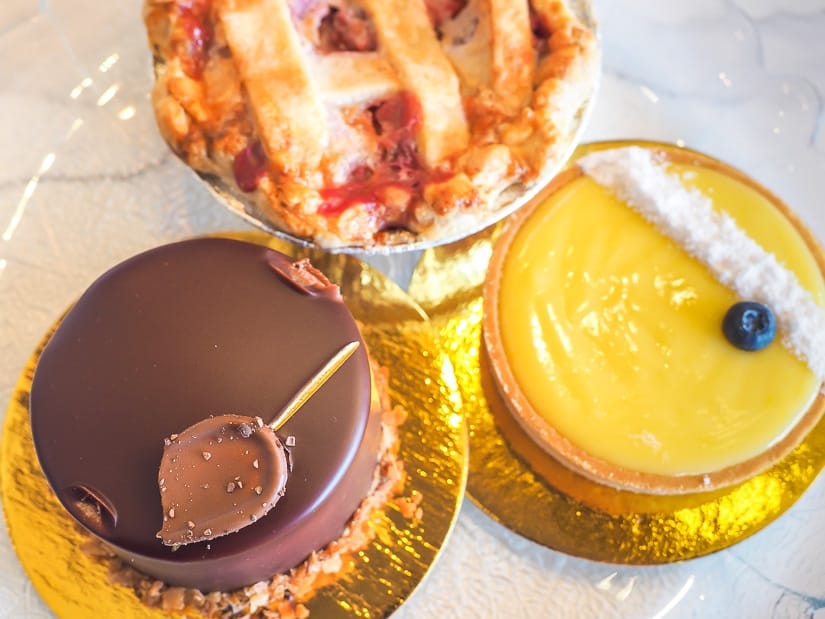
{"type": "Point", "coordinates": [178, 334]}
{"type": "Point", "coordinates": [655, 321]}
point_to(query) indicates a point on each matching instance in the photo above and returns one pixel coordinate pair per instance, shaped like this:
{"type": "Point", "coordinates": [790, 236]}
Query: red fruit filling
{"type": "Point", "coordinates": [397, 167]}
{"type": "Point", "coordinates": [541, 31]}
{"type": "Point", "coordinates": [193, 16]}
{"type": "Point", "coordinates": [347, 29]}
{"type": "Point", "coordinates": [442, 10]}
{"type": "Point", "coordinates": [250, 166]}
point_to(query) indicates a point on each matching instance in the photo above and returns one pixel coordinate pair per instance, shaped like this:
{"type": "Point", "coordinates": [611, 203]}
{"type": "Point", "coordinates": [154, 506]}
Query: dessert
{"type": "Point", "coordinates": [604, 311]}
{"type": "Point", "coordinates": [366, 122]}
{"type": "Point", "coordinates": [192, 329]}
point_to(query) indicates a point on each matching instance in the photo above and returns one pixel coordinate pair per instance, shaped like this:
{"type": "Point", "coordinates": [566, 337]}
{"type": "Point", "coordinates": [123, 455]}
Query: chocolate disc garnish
{"type": "Point", "coordinates": [91, 507]}
{"type": "Point", "coordinates": [227, 471]}
{"type": "Point", "coordinates": [218, 476]}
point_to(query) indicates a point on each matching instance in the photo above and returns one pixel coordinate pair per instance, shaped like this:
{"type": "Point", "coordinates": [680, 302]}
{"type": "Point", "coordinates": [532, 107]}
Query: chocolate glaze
{"type": "Point", "coordinates": [167, 338]}
{"type": "Point", "coordinates": [219, 476]}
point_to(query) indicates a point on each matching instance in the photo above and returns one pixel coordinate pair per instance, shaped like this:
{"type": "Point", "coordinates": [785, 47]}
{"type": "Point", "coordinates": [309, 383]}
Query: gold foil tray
{"type": "Point", "coordinates": [527, 491]}
{"type": "Point", "coordinates": [378, 579]}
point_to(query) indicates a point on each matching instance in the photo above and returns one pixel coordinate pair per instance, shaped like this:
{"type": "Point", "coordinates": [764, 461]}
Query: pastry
{"type": "Point", "coordinates": [370, 123]}
{"type": "Point", "coordinates": [183, 332]}
{"type": "Point", "coordinates": [607, 322]}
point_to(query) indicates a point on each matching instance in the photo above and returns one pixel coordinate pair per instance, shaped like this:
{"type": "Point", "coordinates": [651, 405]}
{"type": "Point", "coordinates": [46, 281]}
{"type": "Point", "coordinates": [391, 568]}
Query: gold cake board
{"type": "Point", "coordinates": [376, 580]}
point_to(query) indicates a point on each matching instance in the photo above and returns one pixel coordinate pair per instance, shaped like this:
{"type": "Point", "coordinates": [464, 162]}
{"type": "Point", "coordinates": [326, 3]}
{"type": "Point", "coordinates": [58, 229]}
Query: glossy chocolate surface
{"type": "Point", "coordinates": [169, 337]}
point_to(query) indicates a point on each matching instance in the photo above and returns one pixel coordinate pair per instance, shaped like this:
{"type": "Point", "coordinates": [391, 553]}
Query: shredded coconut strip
{"type": "Point", "coordinates": [687, 216]}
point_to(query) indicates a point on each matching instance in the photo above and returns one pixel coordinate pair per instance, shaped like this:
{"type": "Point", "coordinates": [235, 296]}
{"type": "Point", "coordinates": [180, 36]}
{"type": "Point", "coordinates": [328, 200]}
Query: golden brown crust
{"type": "Point", "coordinates": [498, 88]}
{"type": "Point", "coordinates": [577, 459]}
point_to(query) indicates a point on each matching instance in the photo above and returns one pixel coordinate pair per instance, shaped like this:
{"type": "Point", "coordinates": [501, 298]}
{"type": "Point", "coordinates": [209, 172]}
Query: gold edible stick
{"type": "Point", "coordinates": [312, 385]}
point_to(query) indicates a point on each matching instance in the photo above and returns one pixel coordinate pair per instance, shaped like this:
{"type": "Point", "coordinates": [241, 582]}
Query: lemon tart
{"type": "Point", "coordinates": [604, 308]}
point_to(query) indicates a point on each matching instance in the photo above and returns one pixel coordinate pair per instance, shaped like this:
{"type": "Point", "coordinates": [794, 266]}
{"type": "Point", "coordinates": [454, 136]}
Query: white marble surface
{"type": "Point", "coordinates": [85, 181]}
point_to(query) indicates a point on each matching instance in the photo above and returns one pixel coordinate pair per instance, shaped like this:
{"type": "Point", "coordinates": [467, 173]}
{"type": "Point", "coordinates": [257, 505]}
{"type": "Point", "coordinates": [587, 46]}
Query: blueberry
{"type": "Point", "coordinates": [749, 325]}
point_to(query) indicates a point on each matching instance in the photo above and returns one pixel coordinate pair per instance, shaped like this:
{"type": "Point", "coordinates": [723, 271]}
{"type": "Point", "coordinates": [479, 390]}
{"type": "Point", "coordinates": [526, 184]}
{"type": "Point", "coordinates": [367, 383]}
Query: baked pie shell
{"type": "Point", "coordinates": [490, 179]}
{"type": "Point", "coordinates": [546, 436]}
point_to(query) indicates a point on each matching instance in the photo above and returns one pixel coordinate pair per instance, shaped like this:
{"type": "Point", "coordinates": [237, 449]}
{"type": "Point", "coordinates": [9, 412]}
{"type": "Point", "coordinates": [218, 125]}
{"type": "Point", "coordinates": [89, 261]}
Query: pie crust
{"type": "Point", "coordinates": [370, 122]}
{"type": "Point", "coordinates": [556, 444]}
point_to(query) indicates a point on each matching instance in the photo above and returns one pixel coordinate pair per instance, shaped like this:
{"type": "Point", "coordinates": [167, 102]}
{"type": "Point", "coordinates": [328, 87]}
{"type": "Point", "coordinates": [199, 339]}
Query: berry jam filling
{"type": "Point", "coordinates": [193, 16]}
{"type": "Point", "coordinates": [541, 32]}
{"type": "Point", "coordinates": [443, 10]}
{"type": "Point", "coordinates": [250, 166]}
{"type": "Point", "coordinates": [398, 168]}
{"type": "Point", "coordinates": [347, 29]}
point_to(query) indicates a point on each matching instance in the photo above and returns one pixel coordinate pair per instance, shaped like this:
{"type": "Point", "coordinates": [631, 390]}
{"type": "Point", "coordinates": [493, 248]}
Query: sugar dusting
{"type": "Point", "coordinates": [687, 216]}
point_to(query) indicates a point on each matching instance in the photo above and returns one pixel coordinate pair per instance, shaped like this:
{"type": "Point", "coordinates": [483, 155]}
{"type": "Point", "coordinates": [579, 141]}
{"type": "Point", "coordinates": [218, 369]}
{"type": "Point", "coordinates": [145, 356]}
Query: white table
{"type": "Point", "coordinates": [85, 181]}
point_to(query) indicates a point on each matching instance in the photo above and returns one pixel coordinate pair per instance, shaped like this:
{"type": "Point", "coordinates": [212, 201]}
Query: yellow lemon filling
{"type": "Point", "coordinates": [613, 332]}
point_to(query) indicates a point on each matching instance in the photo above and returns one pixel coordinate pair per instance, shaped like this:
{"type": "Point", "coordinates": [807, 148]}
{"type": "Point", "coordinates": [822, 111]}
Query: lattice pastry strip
{"type": "Point", "coordinates": [375, 79]}
{"type": "Point", "coordinates": [406, 34]}
{"type": "Point", "coordinates": [512, 54]}
{"type": "Point", "coordinates": [282, 94]}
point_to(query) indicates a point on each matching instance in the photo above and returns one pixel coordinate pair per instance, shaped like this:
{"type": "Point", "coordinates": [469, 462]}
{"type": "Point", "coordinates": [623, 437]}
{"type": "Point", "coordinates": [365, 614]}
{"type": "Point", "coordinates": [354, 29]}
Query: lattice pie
{"type": "Point", "coordinates": [370, 122]}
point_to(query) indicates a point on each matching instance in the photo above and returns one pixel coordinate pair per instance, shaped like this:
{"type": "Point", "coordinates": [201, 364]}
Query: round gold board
{"type": "Point", "coordinates": [433, 446]}
{"type": "Point", "coordinates": [529, 492]}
